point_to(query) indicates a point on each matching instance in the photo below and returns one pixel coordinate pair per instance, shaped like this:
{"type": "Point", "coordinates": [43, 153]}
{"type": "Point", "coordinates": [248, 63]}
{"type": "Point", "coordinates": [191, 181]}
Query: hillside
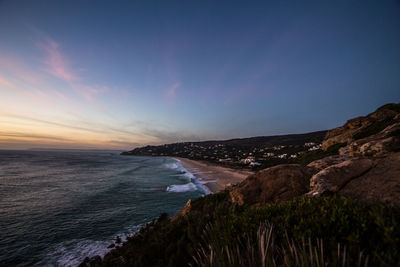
{"type": "Point", "coordinates": [341, 209]}
{"type": "Point", "coordinates": [255, 152]}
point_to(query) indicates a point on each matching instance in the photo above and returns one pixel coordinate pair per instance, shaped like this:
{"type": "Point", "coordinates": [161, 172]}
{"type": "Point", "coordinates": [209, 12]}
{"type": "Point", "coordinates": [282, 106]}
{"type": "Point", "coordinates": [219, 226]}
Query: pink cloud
{"type": "Point", "coordinates": [56, 61]}
{"type": "Point", "coordinates": [34, 84]}
{"type": "Point", "coordinates": [6, 83]}
{"type": "Point", "coordinates": [38, 95]}
{"type": "Point", "coordinates": [171, 91]}
{"type": "Point", "coordinates": [17, 68]}
{"type": "Point", "coordinates": [58, 66]}
{"type": "Point", "coordinates": [29, 83]}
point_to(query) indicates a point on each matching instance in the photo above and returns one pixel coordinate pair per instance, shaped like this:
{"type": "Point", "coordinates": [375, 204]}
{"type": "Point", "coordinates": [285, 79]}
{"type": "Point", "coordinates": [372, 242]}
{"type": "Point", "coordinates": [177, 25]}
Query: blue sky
{"type": "Point", "coordinates": [114, 74]}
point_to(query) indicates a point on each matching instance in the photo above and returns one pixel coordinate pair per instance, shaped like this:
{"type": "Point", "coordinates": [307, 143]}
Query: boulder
{"type": "Point", "coordinates": [381, 183]}
{"type": "Point", "coordinates": [380, 147]}
{"type": "Point", "coordinates": [333, 178]}
{"type": "Point", "coordinates": [272, 185]}
{"type": "Point", "coordinates": [321, 164]}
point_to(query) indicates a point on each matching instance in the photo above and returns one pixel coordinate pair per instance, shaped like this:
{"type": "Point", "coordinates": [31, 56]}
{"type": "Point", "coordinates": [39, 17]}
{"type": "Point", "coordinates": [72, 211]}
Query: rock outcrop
{"type": "Point", "coordinates": [321, 164]}
{"type": "Point", "coordinates": [381, 183]}
{"type": "Point", "coordinates": [377, 145]}
{"type": "Point", "coordinates": [367, 168]}
{"type": "Point", "coordinates": [272, 185]}
{"type": "Point", "coordinates": [333, 178]}
{"type": "Point", "coordinates": [360, 126]}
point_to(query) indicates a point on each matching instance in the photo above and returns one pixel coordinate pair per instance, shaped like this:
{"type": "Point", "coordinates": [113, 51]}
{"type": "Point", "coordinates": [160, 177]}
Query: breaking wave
{"type": "Point", "coordinates": [73, 252]}
{"type": "Point", "coordinates": [193, 183]}
{"type": "Point", "coordinates": [182, 188]}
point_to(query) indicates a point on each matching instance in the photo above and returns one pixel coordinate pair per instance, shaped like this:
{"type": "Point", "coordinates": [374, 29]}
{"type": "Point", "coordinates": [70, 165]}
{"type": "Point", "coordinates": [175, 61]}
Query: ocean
{"type": "Point", "coordinates": [57, 207]}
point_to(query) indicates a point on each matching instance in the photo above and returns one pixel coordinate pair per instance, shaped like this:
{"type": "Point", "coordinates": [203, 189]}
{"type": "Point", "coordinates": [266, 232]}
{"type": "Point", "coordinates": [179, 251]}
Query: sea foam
{"type": "Point", "coordinates": [182, 187]}
{"type": "Point", "coordinates": [73, 252]}
{"type": "Point", "coordinates": [193, 182]}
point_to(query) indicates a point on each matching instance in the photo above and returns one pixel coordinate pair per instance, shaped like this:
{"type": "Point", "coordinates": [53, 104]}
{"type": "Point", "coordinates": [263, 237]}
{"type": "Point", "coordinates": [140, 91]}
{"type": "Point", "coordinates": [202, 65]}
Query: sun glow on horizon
{"type": "Point", "coordinates": [33, 113]}
{"type": "Point", "coordinates": [154, 74]}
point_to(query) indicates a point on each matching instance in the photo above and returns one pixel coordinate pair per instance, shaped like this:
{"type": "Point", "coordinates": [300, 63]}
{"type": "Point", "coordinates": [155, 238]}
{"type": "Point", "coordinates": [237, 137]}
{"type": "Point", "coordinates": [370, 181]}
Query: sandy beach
{"type": "Point", "coordinates": [217, 177]}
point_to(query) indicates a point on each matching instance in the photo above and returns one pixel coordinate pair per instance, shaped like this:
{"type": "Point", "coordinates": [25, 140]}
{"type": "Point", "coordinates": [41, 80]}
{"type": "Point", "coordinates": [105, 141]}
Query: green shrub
{"type": "Point", "coordinates": [374, 128]}
{"type": "Point", "coordinates": [214, 221]}
{"type": "Point", "coordinates": [311, 156]}
{"type": "Point", "coordinates": [334, 149]}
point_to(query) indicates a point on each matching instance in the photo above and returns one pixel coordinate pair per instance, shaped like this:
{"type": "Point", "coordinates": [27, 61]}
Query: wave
{"type": "Point", "coordinates": [193, 182]}
{"type": "Point", "coordinates": [173, 165]}
{"type": "Point", "coordinates": [70, 254]}
{"type": "Point", "coordinates": [182, 187]}
{"type": "Point", "coordinates": [73, 252]}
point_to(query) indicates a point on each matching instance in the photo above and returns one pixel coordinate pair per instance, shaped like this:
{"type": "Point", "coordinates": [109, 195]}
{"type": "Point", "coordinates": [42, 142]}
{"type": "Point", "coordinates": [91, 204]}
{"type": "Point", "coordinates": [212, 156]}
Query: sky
{"type": "Point", "coordinates": [122, 74]}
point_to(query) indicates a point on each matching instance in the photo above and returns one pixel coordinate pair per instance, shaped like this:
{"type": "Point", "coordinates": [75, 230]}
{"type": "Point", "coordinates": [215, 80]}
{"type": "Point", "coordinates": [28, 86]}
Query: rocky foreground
{"type": "Point", "coordinates": [366, 168]}
{"type": "Point", "coordinates": [348, 201]}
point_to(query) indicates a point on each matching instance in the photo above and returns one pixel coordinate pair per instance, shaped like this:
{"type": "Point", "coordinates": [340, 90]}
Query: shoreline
{"type": "Point", "coordinates": [215, 177]}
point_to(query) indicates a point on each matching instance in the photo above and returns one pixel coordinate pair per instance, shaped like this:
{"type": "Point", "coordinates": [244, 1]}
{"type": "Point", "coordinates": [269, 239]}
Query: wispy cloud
{"type": "Point", "coordinates": [89, 128]}
{"type": "Point", "coordinates": [59, 66]}
{"type": "Point", "coordinates": [84, 126]}
{"type": "Point", "coordinates": [57, 63]}
{"type": "Point", "coordinates": [42, 84]}
{"type": "Point", "coordinates": [30, 82]}
{"type": "Point", "coordinates": [32, 131]}
{"type": "Point", "coordinates": [22, 80]}
{"type": "Point", "coordinates": [171, 92]}
{"type": "Point", "coordinates": [19, 135]}
{"type": "Point", "coordinates": [6, 83]}
{"type": "Point", "coordinates": [12, 65]}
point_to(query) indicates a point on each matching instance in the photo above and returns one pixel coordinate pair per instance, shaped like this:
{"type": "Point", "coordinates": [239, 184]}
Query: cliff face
{"type": "Point", "coordinates": [275, 184]}
{"type": "Point", "coordinates": [364, 126]}
{"type": "Point", "coordinates": [366, 168]}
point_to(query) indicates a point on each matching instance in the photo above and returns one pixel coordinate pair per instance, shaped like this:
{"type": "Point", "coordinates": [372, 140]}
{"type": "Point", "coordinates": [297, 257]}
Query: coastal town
{"type": "Point", "coordinates": [237, 153]}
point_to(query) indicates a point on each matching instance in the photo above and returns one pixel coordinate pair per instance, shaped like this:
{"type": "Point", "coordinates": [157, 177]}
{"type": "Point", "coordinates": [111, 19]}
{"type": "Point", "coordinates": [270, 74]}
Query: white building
{"type": "Point", "coordinates": [254, 164]}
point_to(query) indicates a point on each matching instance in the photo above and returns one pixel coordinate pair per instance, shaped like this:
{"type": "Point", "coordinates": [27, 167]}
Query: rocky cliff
{"type": "Point", "coordinates": [363, 127]}
{"type": "Point", "coordinates": [310, 205]}
{"type": "Point", "coordinates": [367, 166]}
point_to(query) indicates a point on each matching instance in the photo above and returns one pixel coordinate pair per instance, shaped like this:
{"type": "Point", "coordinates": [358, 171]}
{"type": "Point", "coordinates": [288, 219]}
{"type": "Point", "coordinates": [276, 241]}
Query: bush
{"type": "Point", "coordinates": [374, 128]}
{"type": "Point", "coordinates": [311, 156]}
{"type": "Point", "coordinates": [214, 221]}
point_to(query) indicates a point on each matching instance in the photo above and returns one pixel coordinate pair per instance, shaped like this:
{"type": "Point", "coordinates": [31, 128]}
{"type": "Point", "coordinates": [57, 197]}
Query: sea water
{"type": "Point", "coordinates": [58, 207]}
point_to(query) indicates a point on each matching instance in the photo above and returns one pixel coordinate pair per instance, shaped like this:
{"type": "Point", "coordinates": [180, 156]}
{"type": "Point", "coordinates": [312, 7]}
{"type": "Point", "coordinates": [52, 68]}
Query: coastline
{"type": "Point", "coordinates": [215, 177]}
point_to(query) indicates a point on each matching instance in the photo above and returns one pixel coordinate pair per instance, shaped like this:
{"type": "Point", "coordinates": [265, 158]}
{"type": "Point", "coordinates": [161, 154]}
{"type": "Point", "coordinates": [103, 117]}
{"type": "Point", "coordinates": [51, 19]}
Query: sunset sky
{"type": "Point", "coordinates": [116, 75]}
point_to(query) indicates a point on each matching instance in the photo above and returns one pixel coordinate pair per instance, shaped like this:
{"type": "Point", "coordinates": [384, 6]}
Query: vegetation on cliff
{"type": "Point", "coordinates": [342, 209]}
{"type": "Point", "coordinates": [331, 226]}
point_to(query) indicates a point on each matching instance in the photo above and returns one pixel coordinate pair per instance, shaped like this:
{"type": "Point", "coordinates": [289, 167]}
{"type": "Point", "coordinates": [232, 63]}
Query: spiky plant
{"type": "Point", "coordinates": [265, 250]}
